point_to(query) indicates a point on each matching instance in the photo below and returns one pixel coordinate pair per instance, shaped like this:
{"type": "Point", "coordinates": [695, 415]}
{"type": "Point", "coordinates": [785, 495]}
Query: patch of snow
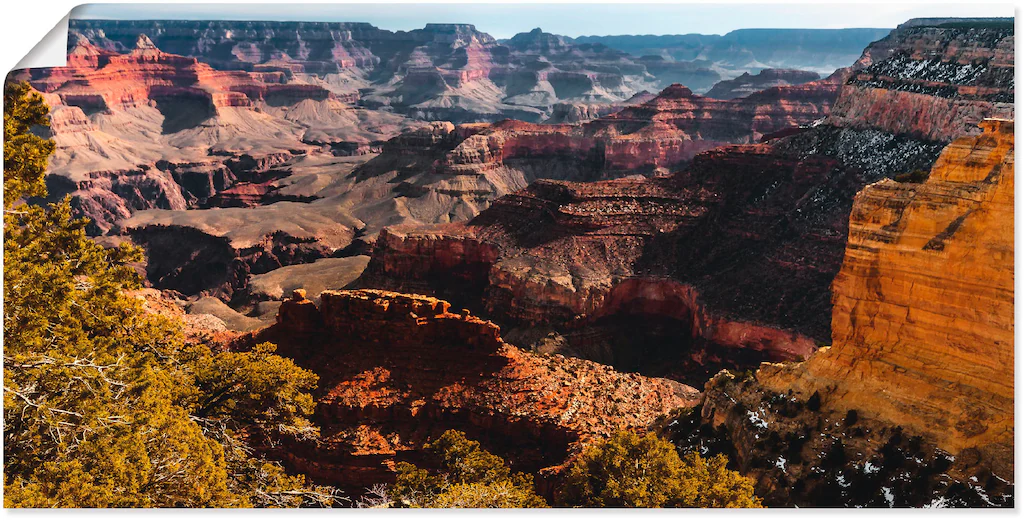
{"type": "Point", "coordinates": [889, 497]}
{"type": "Point", "coordinates": [841, 479]}
{"type": "Point", "coordinates": [756, 420]}
{"type": "Point", "coordinates": [781, 463]}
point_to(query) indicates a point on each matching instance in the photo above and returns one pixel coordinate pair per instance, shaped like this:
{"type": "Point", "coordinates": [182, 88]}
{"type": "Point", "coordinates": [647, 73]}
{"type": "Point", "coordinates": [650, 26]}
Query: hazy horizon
{"type": "Point", "coordinates": [573, 20]}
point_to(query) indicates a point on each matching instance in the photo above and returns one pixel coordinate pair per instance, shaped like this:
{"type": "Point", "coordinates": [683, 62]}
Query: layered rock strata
{"type": "Point", "coordinates": [933, 82]}
{"type": "Point", "coordinates": [397, 369]}
{"type": "Point", "coordinates": [922, 327]}
{"type": "Point", "coordinates": [149, 129]}
{"type": "Point", "coordinates": [747, 84]}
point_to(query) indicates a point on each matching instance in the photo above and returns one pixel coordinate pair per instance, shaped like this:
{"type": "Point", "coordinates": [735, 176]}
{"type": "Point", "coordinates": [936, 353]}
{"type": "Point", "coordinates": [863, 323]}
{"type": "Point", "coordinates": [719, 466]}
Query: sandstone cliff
{"type": "Point", "coordinates": [922, 327]}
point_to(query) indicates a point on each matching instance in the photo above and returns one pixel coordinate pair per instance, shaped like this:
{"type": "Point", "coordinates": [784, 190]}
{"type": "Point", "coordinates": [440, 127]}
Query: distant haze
{"type": "Point", "coordinates": [505, 20]}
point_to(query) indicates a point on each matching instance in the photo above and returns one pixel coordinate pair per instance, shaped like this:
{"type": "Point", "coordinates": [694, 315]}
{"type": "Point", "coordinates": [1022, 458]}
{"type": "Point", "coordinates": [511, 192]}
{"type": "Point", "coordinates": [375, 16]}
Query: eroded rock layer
{"type": "Point", "coordinates": [747, 84]}
{"type": "Point", "coordinates": [934, 82]}
{"type": "Point", "coordinates": [148, 129]}
{"type": "Point", "coordinates": [396, 369]}
{"type": "Point", "coordinates": [922, 325]}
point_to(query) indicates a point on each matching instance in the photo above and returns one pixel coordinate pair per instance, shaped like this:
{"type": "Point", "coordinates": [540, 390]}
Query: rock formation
{"type": "Point", "coordinates": [912, 405]}
{"type": "Point", "coordinates": [573, 113]}
{"type": "Point", "coordinates": [149, 129]}
{"type": "Point", "coordinates": [750, 50]}
{"type": "Point", "coordinates": [756, 232]}
{"type": "Point", "coordinates": [922, 326]}
{"type": "Point", "coordinates": [747, 84]}
{"type": "Point", "coordinates": [396, 369]}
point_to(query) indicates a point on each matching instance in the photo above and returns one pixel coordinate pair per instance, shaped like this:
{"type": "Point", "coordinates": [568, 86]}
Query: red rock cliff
{"type": "Point", "coordinates": [922, 325]}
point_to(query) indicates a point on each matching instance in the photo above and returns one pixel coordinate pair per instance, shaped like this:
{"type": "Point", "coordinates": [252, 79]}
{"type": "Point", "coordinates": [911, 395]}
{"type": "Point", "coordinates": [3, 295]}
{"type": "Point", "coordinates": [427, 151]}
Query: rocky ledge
{"type": "Point", "coordinates": [396, 369]}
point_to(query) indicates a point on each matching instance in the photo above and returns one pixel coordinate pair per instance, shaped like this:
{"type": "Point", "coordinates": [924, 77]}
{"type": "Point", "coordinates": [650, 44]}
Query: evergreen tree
{"type": "Point", "coordinates": [629, 470]}
{"type": "Point", "coordinates": [106, 405]}
{"type": "Point", "coordinates": [467, 477]}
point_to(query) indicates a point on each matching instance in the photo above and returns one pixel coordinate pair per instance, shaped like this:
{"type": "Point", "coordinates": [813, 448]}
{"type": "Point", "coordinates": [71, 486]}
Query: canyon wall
{"type": "Point", "coordinates": [922, 327]}
{"type": "Point", "coordinates": [933, 82]}
{"type": "Point", "coordinates": [756, 231]}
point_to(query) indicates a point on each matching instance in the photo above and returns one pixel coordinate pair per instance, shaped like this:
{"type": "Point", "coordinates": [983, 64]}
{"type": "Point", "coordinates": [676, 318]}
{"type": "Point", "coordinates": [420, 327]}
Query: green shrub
{"type": "Point", "coordinates": [467, 477]}
{"type": "Point", "coordinates": [629, 470]}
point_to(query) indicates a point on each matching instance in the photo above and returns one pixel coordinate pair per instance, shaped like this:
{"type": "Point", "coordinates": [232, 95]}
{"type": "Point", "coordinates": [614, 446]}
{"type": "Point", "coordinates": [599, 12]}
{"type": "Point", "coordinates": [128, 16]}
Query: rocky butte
{"type": "Point", "coordinates": [747, 84]}
{"type": "Point", "coordinates": [396, 369]}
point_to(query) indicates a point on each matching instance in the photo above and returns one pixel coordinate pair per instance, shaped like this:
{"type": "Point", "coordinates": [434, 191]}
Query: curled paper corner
{"type": "Point", "coordinates": [52, 49]}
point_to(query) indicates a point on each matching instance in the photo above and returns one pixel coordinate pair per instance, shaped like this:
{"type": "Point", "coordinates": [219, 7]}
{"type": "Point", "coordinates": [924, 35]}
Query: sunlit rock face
{"type": "Point", "coordinates": [922, 321]}
{"type": "Point", "coordinates": [398, 369]}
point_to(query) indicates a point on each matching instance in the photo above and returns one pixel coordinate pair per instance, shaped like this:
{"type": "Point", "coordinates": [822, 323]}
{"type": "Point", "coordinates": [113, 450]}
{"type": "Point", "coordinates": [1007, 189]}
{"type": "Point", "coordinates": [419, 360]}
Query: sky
{"type": "Point", "coordinates": [505, 20]}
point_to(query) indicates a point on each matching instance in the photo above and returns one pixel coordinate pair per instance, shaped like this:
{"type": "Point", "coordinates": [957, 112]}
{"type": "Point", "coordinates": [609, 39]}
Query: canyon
{"type": "Point", "coordinates": [790, 247]}
{"type": "Point", "coordinates": [754, 234]}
